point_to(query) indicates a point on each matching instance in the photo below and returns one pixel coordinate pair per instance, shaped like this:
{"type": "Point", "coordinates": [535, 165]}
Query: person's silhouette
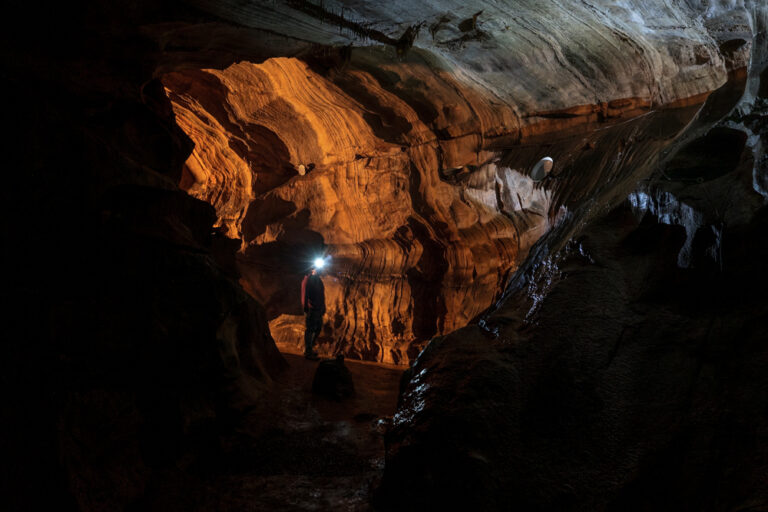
{"type": "Point", "coordinates": [313, 302]}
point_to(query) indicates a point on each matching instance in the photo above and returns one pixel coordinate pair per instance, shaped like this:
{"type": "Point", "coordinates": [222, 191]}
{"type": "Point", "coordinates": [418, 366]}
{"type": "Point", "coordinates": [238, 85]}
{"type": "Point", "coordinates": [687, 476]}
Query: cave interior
{"type": "Point", "coordinates": [544, 228]}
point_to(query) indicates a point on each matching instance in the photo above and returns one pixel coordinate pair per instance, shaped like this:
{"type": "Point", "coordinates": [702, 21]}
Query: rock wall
{"type": "Point", "coordinates": [418, 239]}
{"type": "Point", "coordinates": [622, 392]}
{"type": "Point", "coordinates": [128, 347]}
{"type": "Point", "coordinates": [621, 371]}
{"type": "Point", "coordinates": [409, 165]}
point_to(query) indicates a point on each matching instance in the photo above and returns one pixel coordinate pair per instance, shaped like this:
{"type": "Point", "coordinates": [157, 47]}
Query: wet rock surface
{"type": "Point", "coordinates": [634, 386]}
{"type": "Point", "coordinates": [622, 373]}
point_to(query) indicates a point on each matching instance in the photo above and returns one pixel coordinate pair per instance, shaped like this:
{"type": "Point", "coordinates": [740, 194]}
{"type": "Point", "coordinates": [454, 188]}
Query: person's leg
{"type": "Point", "coordinates": [309, 335]}
{"type": "Point", "coordinates": [314, 326]}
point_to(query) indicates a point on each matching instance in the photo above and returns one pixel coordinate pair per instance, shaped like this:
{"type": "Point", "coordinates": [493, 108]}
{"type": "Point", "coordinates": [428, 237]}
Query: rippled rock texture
{"type": "Point", "coordinates": [409, 165]}
{"type": "Point", "coordinates": [623, 372]}
{"type": "Point", "coordinates": [422, 233]}
{"type": "Point", "coordinates": [132, 352]}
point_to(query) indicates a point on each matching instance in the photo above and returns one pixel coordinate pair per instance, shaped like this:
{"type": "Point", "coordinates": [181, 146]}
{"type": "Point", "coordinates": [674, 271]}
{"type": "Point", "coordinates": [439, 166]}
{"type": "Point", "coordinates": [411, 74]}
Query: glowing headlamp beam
{"type": "Point", "coordinates": [319, 262]}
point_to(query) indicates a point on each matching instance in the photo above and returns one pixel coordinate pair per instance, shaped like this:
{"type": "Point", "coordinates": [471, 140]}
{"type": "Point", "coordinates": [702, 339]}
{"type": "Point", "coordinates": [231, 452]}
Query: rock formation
{"type": "Point", "coordinates": [129, 346]}
{"type": "Point", "coordinates": [410, 168]}
{"type": "Point", "coordinates": [132, 350]}
{"type": "Point", "coordinates": [622, 370]}
{"type": "Point", "coordinates": [419, 239]}
{"type": "Point", "coordinates": [333, 380]}
{"type": "Point", "coordinates": [617, 394]}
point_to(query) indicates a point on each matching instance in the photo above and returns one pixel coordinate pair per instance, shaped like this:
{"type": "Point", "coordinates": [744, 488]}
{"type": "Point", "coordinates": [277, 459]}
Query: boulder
{"type": "Point", "coordinates": [333, 380]}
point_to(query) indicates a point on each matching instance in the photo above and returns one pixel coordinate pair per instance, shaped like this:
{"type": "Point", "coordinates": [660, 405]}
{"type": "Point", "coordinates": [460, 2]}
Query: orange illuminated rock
{"type": "Point", "coordinates": [410, 211]}
{"type": "Point", "coordinates": [405, 153]}
{"type": "Point", "coordinates": [415, 184]}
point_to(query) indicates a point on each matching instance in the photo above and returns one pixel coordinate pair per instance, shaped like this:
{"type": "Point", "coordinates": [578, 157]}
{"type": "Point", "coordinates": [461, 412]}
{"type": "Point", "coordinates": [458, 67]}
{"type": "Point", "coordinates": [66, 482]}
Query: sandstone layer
{"type": "Point", "coordinates": [410, 165]}
{"type": "Point", "coordinates": [422, 233]}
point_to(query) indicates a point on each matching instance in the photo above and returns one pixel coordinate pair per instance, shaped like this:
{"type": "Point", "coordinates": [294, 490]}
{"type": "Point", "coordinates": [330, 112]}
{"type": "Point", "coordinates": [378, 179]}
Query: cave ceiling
{"type": "Point", "coordinates": [399, 139]}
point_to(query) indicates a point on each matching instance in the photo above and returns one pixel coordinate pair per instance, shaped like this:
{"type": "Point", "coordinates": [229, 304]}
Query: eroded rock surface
{"type": "Point", "coordinates": [419, 237]}
{"type": "Point", "coordinates": [409, 165]}
{"type": "Point", "coordinates": [622, 373]}
{"type": "Point", "coordinates": [633, 387]}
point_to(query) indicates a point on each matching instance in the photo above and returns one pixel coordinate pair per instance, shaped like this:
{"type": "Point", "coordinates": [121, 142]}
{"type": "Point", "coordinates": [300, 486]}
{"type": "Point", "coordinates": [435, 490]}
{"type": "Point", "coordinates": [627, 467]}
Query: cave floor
{"type": "Point", "coordinates": [296, 451]}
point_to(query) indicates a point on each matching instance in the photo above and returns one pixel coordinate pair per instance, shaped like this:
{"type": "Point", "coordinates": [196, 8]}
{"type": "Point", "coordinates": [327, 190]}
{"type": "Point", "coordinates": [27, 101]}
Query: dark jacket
{"type": "Point", "coordinates": [313, 293]}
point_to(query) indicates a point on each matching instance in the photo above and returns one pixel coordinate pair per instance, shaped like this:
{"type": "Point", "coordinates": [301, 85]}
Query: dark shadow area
{"type": "Point", "coordinates": [267, 210]}
{"type": "Point", "coordinates": [634, 388]}
{"type": "Point", "coordinates": [426, 281]}
{"type": "Point", "coordinates": [411, 92]}
{"type": "Point", "coordinates": [292, 451]}
{"type": "Point", "coordinates": [383, 120]}
{"type": "Point", "coordinates": [708, 157]}
{"type": "Point", "coordinates": [278, 268]}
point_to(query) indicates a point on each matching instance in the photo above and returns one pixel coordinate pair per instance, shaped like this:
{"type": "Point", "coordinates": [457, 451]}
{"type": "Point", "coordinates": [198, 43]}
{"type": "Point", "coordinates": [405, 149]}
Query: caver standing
{"type": "Point", "coordinates": [313, 302]}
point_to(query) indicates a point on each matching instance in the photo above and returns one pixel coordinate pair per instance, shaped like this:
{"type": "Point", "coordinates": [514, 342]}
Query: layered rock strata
{"type": "Point", "coordinates": [411, 168]}
{"type": "Point", "coordinates": [421, 232]}
{"type": "Point", "coordinates": [622, 372]}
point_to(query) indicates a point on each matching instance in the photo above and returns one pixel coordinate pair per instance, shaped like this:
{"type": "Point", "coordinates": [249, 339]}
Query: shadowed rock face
{"type": "Point", "coordinates": [127, 346]}
{"type": "Point", "coordinates": [633, 386]}
{"type": "Point", "coordinates": [622, 373]}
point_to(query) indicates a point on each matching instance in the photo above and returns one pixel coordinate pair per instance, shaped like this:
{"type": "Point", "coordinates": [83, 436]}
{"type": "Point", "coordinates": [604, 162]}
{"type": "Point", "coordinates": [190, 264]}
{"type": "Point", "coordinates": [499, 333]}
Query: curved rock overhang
{"type": "Point", "coordinates": [402, 147]}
